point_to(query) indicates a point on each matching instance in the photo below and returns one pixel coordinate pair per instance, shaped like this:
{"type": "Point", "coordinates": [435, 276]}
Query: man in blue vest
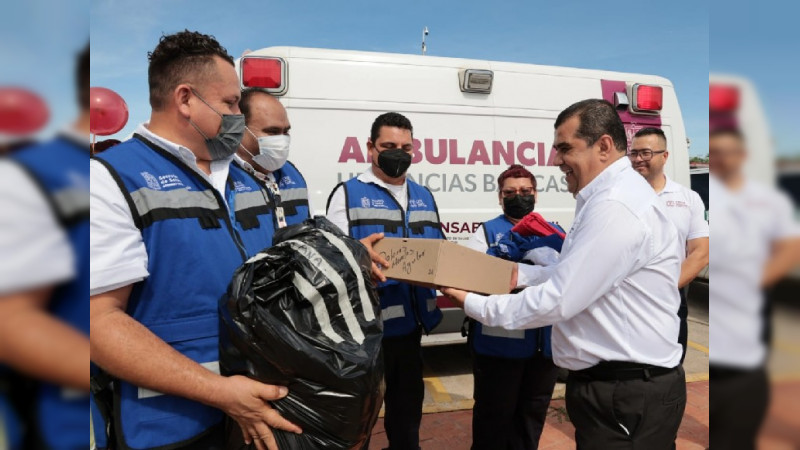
{"type": "Point", "coordinates": [171, 219]}
{"type": "Point", "coordinates": [384, 200]}
{"type": "Point", "coordinates": [513, 369]}
{"type": "Point", "coordinates": [44, 314]}
{"type": "Point", "coordinates": [265, 151]}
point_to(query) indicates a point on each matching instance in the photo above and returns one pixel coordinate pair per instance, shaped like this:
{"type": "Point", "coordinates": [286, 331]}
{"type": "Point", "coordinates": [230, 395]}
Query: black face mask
{"type": "Point", "coordinates": [518, 206]}
{"type": "Point", "coordinates": [394, 162]}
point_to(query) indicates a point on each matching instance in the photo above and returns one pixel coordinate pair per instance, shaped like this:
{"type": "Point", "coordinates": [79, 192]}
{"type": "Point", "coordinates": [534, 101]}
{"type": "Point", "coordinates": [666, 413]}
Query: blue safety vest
{"type": "Point", "coordinates": [497, 341]}
{"type": "Point", "coordinates": [294, 193]}
{"type": "Point", "coordinates": [194, 243]}
{"type": "Point", "coordinates": [61, 168]}
{"type": "Point", "coordinates": [373, 209]}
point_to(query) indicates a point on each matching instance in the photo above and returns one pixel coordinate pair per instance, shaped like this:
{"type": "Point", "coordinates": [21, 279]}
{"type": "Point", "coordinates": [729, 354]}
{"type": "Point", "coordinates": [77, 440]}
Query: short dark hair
{"type": "Point", "coordinates": [597, 117]}
{"type": "Point", "coordinates": [389, 119]}
{"type": "Point", "coordinates": [651, 131]}
{"type": "Point", "coordinates": [515, 171]}
{"type": "Point", "coordinates": [82, 78]}
{"type": "Point", "coordinates": [247, 96]}
{"type": "Point", "coordinates": [726, 131]}
{"type": "Point", "coordinates": [178, 58]}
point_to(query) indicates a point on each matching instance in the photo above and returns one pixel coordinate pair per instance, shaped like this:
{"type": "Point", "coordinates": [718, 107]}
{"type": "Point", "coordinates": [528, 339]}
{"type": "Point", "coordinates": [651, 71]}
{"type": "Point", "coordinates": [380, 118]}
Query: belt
{"type": "Point", "coordinates": [621, 371]}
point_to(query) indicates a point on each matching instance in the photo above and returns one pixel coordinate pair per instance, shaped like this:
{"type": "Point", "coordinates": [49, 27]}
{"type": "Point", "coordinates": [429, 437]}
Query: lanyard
{"type": "Point", "coordinates": [275, 193]}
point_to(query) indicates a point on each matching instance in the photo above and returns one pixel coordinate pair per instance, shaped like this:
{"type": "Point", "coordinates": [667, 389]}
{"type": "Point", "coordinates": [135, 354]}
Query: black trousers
{"type": "Point", "coordinates": [511, 400]}
{"type": "Point", "coordinates": [402, 359]}
{"type": "Point", "coordinates": [683, 314]}
{"type": "Point", "coordinates": [642, 413]}
{"type": "Point", "coordinates": [737, 406]}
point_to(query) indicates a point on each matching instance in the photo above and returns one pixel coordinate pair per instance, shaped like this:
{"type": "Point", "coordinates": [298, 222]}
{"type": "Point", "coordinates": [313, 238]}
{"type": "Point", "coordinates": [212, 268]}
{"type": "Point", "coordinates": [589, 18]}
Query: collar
{"type": "Point", "coordinates": [670, 186]}
{"type": "Point", "coordinates": [601, 181]}
{"type": "Point", "coordinates": [74, 136]}
{"type": "Point", "coordinates": [368, 176]}
{"type": "Point", "coordinates": [252, 170]}
{"type": "Point", "coordinates": [183, 153]}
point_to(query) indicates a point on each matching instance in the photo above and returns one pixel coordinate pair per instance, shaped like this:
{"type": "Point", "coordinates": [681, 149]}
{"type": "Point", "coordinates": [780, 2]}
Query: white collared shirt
{"type": "Point", "coordinates": [746, 224]}
{"type": "Point", "coordinates": [612, 296]}
{"type": "Point", "coordinates": [117, 252]}
{"type": "Point", "coordinates": [337, 207]}
{"type": "Point", "coordinates": [36, 249]}
{"type": "Point", "coordinates": [686, 210]}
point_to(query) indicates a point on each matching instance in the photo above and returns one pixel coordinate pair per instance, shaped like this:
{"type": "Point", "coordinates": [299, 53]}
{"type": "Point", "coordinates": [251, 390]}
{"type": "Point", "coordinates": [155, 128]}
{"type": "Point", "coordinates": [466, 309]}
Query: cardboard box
{"type": "Point", "coordinates": [438, 262]}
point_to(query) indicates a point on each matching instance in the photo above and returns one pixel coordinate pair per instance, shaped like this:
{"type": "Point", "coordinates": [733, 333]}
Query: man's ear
{"type": "Point", "coordinates": [666, 157]}
{"type": "Point", "coordinates": [370, 149]}
{"type": "Point", "coordinates": [606, 147]}
{"type": "Point", "coordinates": [180, 98]}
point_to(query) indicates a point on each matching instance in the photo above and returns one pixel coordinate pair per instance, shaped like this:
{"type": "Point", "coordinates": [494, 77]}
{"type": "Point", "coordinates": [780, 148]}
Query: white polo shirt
{"type": "Point", "coordinates": [337, 207]}
{"type": "Point", "coordinates": [686, 210]}
{"type": "Point", "coordinates": [746, 224]}
{"type": "Point", "coordinates": [117, 251]}
{"type": "Point", "coordinates": [611, 296]}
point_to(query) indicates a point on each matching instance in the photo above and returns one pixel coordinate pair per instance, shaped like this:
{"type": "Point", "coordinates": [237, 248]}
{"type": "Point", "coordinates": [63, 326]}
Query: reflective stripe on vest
{"type": "Point", "coordinates": [294, 193]}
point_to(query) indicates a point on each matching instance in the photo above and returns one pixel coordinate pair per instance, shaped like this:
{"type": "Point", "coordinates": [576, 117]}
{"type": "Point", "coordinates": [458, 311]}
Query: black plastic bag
{"type": "Point", "coordinates": [304, 314]}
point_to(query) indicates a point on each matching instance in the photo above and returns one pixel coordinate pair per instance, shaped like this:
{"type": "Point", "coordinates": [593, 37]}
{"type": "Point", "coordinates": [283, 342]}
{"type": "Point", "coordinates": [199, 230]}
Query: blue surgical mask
{"type": "Point", "coordinates": [227, 140]}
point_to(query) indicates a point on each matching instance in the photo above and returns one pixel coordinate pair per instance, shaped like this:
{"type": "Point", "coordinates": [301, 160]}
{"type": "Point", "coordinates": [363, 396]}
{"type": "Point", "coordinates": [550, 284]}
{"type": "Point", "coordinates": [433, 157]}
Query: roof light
{"type": "Point", "coordinates": [264, 73]}
{"type": "Point", "coordinates": [647, 98]}
{"type": "Point", "coordinates": [723, 98]}
{"type": "Point", "coordinates": [476, 80]}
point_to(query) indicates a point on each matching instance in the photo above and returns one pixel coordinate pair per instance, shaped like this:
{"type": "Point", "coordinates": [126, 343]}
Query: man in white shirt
{"type": "Point", "coordinates": [165, 239]}
{"type": "Point", "coordinates": [611, 297]}
{"type": "Point", "coordinates": [684, 207]}
{"type": "Point", "coordinates": [756, 243]}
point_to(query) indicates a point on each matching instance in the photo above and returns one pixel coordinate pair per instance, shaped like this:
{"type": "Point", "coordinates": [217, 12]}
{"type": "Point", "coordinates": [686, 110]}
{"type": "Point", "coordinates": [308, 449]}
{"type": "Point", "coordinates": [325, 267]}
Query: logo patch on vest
{"type": "Point", "coordinates": [238, 186]}
{"type": "Point", "coordinates": [152, 182]}
{"type": "Point", "coordinates": [286, 181]}
{"type": "Point", "coordinates": [498, 236]}
{"type": "Point", "coordinates": [379, 203]}
{"type": "Point", "coordinates": [417, 203]}
{"type": "Point", "coordinates": [169, 180]}
{"type": "Point", "coordinates": [364, 202]}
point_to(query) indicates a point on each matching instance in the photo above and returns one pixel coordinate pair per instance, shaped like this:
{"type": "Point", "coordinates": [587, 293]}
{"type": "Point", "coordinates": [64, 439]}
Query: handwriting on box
{"type": "Point", "coordinates": [405, 259]}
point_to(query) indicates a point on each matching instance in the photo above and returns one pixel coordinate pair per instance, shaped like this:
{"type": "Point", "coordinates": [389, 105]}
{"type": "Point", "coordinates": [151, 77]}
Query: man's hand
{"type": "Point", "coordinates": [245, 400]}
{"type": "Point", "coordinates": [377, 260]}
{"type": "Point", "coordinates": [456, 295]}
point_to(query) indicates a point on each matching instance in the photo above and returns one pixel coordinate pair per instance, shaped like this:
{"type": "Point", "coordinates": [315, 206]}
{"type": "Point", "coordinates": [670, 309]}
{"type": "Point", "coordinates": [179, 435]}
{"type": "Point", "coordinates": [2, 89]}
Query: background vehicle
{"type": "Point", "coordinates": [472, 118]}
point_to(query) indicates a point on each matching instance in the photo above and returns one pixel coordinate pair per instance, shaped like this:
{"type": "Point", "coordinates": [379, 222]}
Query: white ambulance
{"type": "Point", "coordinates": [471, 119]}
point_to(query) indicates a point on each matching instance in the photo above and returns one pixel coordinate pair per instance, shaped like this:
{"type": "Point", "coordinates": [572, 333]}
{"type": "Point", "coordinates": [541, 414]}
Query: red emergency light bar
{"type": "Point", "coordinates": [723, 98]}
{"type": "Point", "coordinates": [647, 98]}
{"type": "Point", "coordinates": [264, 73]}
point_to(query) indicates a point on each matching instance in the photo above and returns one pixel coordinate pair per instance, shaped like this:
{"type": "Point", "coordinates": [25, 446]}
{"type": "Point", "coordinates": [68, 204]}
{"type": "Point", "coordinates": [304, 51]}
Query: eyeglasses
{"type": "Point", "coordinates": [646, 155]}
{"type": "Point", "coordinates": [512, 192]}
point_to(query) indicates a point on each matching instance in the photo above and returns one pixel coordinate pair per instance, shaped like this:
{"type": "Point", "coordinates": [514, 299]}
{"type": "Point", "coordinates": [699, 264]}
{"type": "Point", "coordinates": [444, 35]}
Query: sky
{"type": "Point", "coordinates": [657, 38]}
{"type": "Point", "coordinates": [759, 40]}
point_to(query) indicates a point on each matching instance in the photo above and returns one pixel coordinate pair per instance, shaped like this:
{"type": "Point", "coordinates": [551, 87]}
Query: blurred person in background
{"type": "Point", "coordinates": [44, 280]}
{"type": "Point", "coordinates": [264, 152]}
{"type": "Point", "coordinates": [171, 219]}
{"type": "Point", "coordinates": [756, 243]}
{"type": "Point", "coordinates": [513, 369]}
{"type": "Point", "coordinates": [649, 155]}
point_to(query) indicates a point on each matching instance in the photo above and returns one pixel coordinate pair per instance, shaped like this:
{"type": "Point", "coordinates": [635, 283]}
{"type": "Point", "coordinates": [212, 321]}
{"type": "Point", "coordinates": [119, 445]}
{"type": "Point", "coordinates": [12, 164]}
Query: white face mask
{"type": "Point", "coordinates": [273, 151]}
